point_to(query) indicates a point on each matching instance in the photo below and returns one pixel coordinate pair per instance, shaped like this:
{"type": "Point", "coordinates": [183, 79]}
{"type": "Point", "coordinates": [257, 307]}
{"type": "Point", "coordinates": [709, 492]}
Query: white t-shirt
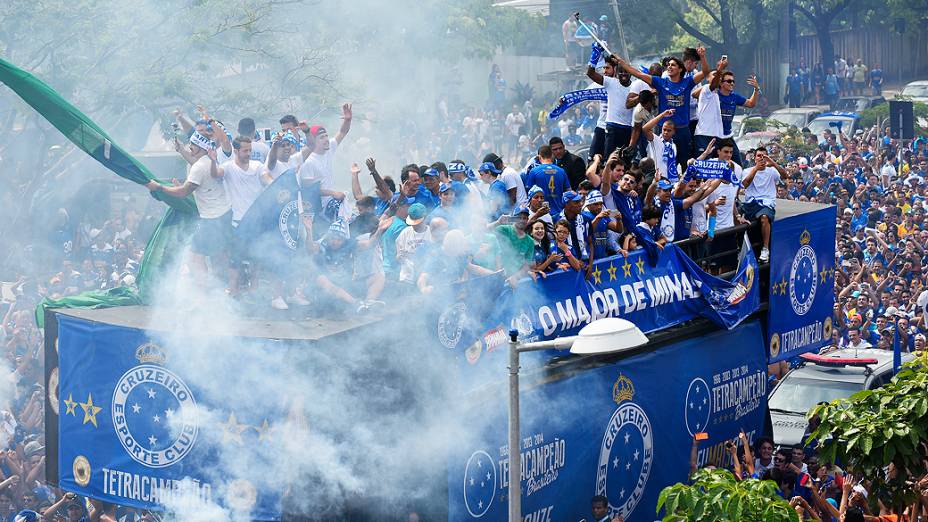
{"type": "Point", "coordinates": [709, 113]}
{"type": "Point", "coordinates": [259, 151]}
{"type": "Point", "coordinates": [642, 115]}
{"type": "Point", "coordinates": [656, 153]}
{"type": "Point", "coordinates": [616, 94]}
{"type": "Point", "coordinates": [210, 194]}
{"type": "Point", "coordinates": [511, 178]}
{"type": "Point", "coordinates": [700, 221]}
{"type": "Point", "coordinates": [724, 214]}
{"type": "Point", "coordinates": [406, 244]}
{"type": "Point", "coordinates": [637, 86]}
{"type": "Point", "coordinates": [280, 167]}
{"type": "Point", "coordinates": [603, 111]}
{"type": "Point", "coordinates": [514, 122]}
{"type": "Point", "coordinates": [763, 188]}
{"type": "Point", "coordinates": [243, 186]}
{"type": "Point", "coordinates": [319, 166]}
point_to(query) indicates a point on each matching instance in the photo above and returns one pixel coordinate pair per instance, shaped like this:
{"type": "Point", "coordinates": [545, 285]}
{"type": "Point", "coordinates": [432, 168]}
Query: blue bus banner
{"type": "Point", "coordinates": [801, 283]}
{"type": "Point", "coordinates": [623, 430]}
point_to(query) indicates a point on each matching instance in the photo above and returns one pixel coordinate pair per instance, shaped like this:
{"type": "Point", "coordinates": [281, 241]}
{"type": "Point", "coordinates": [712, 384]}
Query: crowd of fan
{"type": "Point", "coordinates": [467, 212]}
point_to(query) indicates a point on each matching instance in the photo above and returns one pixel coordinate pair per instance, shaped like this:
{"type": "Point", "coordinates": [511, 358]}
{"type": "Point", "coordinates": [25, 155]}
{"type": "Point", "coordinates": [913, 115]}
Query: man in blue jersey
{"type": "Point", "coordinates": [673, 92]}
{"type": "Point", "coordinates": [551, 178]}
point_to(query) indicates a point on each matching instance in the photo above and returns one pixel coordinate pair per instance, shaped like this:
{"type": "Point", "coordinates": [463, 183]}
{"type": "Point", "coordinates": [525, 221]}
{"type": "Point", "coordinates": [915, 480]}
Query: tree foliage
{"type": "Point", "coordinates": [874, 429]}
{"type": "Point", "coordinates": [716, 496]}
{"type": "Point", "coordinates": [733, 27]}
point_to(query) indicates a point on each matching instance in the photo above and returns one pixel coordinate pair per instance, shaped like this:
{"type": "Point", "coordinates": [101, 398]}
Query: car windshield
{"type": "Point", "coordinates": [817, 126]}
{"type": "Point", "coordinates": [790, 119]}
{"type": "Point", "coordinates": [735, 127]}
{"type": "Point", "coordinates": [851, 105]}
{"type": "Point", "coordinates": [798, 394]}
{"type": "Point", "coordinates": [918, 91]}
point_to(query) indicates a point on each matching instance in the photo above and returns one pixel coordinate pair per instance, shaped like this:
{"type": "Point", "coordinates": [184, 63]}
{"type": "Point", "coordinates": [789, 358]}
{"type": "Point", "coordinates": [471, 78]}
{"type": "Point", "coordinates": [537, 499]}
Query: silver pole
{"type": "Point", "coordinates": [515, 455]}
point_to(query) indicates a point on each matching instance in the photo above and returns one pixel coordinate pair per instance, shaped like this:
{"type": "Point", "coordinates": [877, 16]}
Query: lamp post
{"type": "Point", "coordinates": [607, 335]}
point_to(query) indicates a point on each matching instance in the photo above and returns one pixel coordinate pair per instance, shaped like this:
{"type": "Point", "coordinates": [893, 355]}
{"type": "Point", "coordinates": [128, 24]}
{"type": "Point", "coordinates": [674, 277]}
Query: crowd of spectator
{"type": "Point", "coordinates": [462, 210]}
{"type": "Point", "coordinates": [825, 83]}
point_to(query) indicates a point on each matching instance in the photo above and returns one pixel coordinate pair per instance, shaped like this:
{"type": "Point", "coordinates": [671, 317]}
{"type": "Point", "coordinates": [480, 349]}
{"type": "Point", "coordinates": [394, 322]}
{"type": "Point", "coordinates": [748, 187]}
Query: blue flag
{"type": "Point", "coordinates": [710, 169]}
{"type": "Point", "coordinates": [572, 98]}
{"type": "Point", "coordinates": [272, 226]}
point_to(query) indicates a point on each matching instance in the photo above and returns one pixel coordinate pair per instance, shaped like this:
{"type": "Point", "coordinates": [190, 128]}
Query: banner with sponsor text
{"type": "Point", "coordinates": [802, 268]}
{"type": "Point", "coordinates": [622, 429]}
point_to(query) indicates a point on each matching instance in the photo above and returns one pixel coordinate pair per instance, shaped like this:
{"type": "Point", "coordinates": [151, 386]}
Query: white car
{"type": "Point", "coordinates": [824, 378]}
{"type": "Point", "coordinates": [916, 91]}
{"type": "Point", "coordinates": [798, 117]}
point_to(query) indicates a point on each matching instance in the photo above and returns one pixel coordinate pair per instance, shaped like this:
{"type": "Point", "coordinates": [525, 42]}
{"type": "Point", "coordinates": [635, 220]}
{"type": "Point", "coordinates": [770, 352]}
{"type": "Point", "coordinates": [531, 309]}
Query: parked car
{"type": "Point", "coordinates": [831, 120]}
{"type": "Point", "coordinates": [858, 103]}
{"type": "Point", "coordinates": [824, 378]}
{"type": "Point", "coordinates": [798, 117]}
{"type": "Point", "coordinates": [752, 140]}
{"type": "Point", "coordinates": [916, 91]}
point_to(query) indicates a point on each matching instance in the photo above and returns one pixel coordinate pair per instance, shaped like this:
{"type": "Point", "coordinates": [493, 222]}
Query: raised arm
{"type": "Point", "coordinates": [648, 128]}
{"type": "Point", "coordinates": [752, 101]}
{"type": "Point", "coordinates": [704, 190]}
{"type": "Point", "coordinates": [591, 170]}
{"type": "Point", "coordinates": [347, 115]}
{"type": "Point", "coordinates": [383, 190]}
{"type": "Point", "coordinates": [630, 69]}
{"type": "Point", "coordinates": [703, 65]}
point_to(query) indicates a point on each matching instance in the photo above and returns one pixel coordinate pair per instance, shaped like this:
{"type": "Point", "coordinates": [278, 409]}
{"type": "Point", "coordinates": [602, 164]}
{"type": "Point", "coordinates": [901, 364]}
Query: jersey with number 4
{"type": "Point", "coordinates": [553, 181]}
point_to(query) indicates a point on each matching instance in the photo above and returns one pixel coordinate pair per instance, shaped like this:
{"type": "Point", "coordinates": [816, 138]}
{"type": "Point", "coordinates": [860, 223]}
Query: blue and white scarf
{"type": "Point", "coordinates": [670, 160]}
{"type": "Point", "coordinates": [572, 98]}
{"type": "Point", "coordinates": [710, 169]}
{"type": "Point", "coordinates": [202, 141]}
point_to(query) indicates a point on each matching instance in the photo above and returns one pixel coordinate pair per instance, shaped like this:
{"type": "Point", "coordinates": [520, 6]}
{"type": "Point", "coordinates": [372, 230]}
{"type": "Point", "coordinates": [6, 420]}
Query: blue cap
{"type": "Point", "coordinates": [444, 187]}
{"type": "Point", "coordinates": [534, 190]}
{"type": "Point", "coordinates": [486, 166]}
{"type": "Point", "coordinates": [27, 515]}
{"type": "Point", "coordinates": [594, 196]}
{"type": "Point", "coordinates": [663, 184]}
{"type": "Point", "coordinates": [417, 213]}
{"type": "Point", "coordinates": [456, 167]}
{"type": "Point", "coordinates": [431, 172]}
{"type": "Point", "coordinates": [520, 210]}
{"type": "Point", "coordinates": [571, 196]}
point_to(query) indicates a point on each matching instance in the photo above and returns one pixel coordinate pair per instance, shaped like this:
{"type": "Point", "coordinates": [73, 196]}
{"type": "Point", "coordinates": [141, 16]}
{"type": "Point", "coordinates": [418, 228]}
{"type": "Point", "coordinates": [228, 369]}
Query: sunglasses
{"type": "Point", "coordinates": [728, 81]}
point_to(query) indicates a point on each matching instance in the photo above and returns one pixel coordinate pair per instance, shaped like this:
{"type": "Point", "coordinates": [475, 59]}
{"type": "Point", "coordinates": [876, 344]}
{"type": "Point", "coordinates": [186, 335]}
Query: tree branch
{"type": "Point", "coordinates": [696, 33]}
{"type": "Point", "coordinates": [708, 11]}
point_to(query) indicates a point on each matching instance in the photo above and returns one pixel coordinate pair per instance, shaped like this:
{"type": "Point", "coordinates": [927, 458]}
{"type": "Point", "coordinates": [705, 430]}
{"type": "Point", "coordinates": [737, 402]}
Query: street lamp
{"type": "Point", "coordinates": [607, 335]}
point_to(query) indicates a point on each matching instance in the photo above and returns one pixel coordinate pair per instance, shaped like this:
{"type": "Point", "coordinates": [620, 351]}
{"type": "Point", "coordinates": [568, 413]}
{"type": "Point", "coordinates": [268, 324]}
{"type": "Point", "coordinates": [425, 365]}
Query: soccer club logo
{"type": "Point", "coordinates": [289, 222]}
{"type": "Point", "coordinates": [698, 407]}
{"type": "Point", "coordinates": [626, 453]}
{"type": "Point", "coordinates": [803, 276]}
{"type": "Point", "coordinates": [479, 484]}
{"type": "Point", "coordinates": [451, 325]}
{"type": "Point", "coordinates": [154, 412]}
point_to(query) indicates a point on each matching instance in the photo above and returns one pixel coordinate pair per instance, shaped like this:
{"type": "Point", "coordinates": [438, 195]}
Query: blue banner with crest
{"type": "Point", "coordinates": [131, 426]}
{"type": "Point", "coordinates": [624, 430]}
{"type": "Point", "coordinates": [802, 271]}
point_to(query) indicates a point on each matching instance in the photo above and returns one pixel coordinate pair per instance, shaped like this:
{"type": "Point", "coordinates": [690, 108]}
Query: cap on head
{"type": "Point", "coordinates": [534, 190]}
{"type": "Point", "coordinates": [444, 187]}
{"type": "Point", "coordinates": [316, 130]}
{"type": "Point", "coordinates": [664, 184]}
{"type": "Point", "coordinates": [487, 166]}
{"type": "Point", "coordinates": [594, 196]}
{"type": "Point", "coordinates": [571, 196]}
{"type": "Point", "coordinates": [430, 172]}
{"type": "Point", "coordinates": [417, 212]}
{"type": "Point", "coordinates": [520, 210]}
{"type": "Point", "coordinates": [492, 158]}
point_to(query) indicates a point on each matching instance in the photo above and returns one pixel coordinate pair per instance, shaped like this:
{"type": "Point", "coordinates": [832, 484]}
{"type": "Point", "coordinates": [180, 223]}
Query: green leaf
{"type": "Point", "coordinates": [866, 444]}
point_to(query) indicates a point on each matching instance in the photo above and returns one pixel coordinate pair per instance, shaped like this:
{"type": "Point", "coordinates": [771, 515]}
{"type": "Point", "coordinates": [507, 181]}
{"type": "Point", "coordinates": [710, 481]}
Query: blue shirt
{"type": "Point", "coordinates": [388, 244]}
{"type": "Point", "coordinates": [794, 86]}
{"type": "Point", "coordinates": [728, 104]}
{"type": "Point", "coordinates": [599, 235]}
{"type": "Point", "coordinates": [676, 96]}
{"type": "Point", "coordinates": [553, 182]}
{"type": "Point", "coordinates": [629, 206]}
{"type": "Point", "coordinates": [831, 84]}
{"type": "Point", "coordinates": [498, 198]}
{"type": "Point", "coordinates": [876, 77]}
{"type": "Point", "coordinates": [426, 197]}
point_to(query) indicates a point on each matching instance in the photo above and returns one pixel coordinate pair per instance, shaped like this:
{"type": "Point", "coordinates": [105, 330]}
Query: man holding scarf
{"type": "Point", "coordinates": [662, 147]}
{"type": "Point", "coordinates": [674, 210]}
{"type": "Point", "coordinates": [618, 115]}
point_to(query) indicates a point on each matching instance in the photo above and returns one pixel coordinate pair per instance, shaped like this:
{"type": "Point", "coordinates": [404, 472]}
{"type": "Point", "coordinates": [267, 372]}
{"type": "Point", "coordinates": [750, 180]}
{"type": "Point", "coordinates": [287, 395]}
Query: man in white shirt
{"type": "Point", "coordinates": [259, 149]}
{"type": "Point", "coordinates": [242, 180]}
{"type": "Point", "coordinates": [204, 181]}
{"type": "Point", "coordinates": [512, 179]}
{"type": "Point", "coordinates": [661, 147]}
{"type": "Point", "coordinates": [760, 192]}
{"type": "Point", "coordinates": [618, 115]}
{"type": "Point", "coordinates": [318, 166]}
{"type": "Point", "coordinates": [281, 157]}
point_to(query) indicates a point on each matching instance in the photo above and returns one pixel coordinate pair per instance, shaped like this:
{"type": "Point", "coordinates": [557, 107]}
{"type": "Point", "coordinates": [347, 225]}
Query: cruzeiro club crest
{"type": "Point", "coordinates": [698, 406]}
{"type": "Point", "coordinates": [803, 276]}
{"type": "Point", "coordinates": [451, 325]}
{"type": "Point", "coordinates": [626, 454]}
{"type": "Point", "coordinates": [289, 221]}
{"type": "Point", "coordinates": [479, 484]}
{"type": "Point", "coordinates": [154, 412]}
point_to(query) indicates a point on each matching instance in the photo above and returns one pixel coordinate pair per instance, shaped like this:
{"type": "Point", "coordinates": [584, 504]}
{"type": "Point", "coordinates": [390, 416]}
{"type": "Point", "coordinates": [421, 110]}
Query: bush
{"type": "Point", "coordinates": [869, 117]}
{"type": "Point", "coordinates": [715, 496]}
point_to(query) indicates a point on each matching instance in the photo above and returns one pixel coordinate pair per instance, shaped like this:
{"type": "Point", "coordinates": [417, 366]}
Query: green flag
{"type": "Point", "coordinates": [82, 131]}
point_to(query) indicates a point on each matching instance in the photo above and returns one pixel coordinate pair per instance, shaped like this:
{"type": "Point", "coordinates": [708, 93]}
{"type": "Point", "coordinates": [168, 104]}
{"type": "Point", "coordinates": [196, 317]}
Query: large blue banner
{"type": "Point", "coordinates": [623, 430]}
{"type": "Point", "coordinates": [801, 283]}
{"type": "Point", "coordinates": [130, 426]}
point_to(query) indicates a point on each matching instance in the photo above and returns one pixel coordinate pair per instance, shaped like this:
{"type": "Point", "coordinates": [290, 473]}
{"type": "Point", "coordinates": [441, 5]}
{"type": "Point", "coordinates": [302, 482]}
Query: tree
{"type": "Point", "coordinates": [822, 14]}
{"type": "Point", "coordinates": [716, 496]}
{"type": "Point", "coordinates": [732, 27]}
{"type": "Point", "coordinates": [877, 430]}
